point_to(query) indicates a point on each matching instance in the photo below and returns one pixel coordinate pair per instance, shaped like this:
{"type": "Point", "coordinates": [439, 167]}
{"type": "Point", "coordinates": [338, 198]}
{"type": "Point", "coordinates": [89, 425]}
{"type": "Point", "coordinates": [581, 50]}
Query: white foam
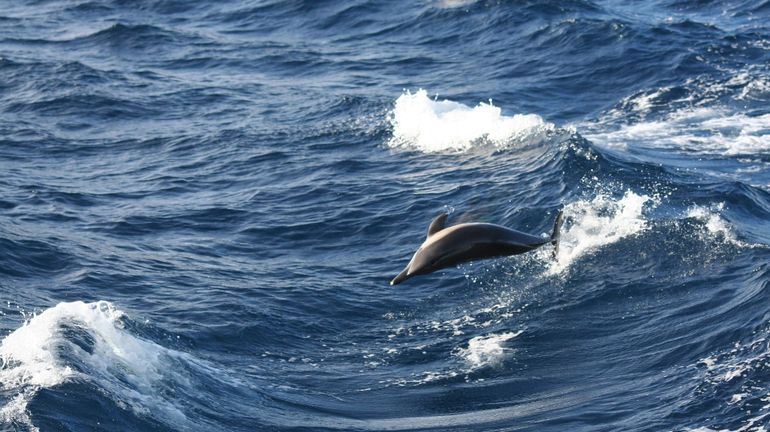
{"type": "Point", "coordinates": [451, 4]}
{"type": "Point", "coordinates": [738, 366]}
{"type": "Point", "coordinates": [596, 223]}
{"type": "Point", "coordinates": [644, 103]}
{"type": "Point", "coordinates": [697, 121]}
{"type": "Point", "coordinates": [752, 87]}
{"type": "Point", "coordinates": [716, 225]}
{"type": "Point", "coordinates": [128, 369]}
{"type": "Point", "coordinates": [702, 130]}
{"type": "Point", "coordinates": [738, 397]}
{"type": "Point", "coordinates": [437, 126]}
{"type": "Point", "coordinates": [15, 410]}
{"type": "Point", "coordinates": [487, 350]}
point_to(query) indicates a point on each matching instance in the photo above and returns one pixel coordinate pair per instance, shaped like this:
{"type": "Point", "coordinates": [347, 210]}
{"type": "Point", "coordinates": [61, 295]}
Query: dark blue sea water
{"type": "Point", "coordinates": [202, 204]}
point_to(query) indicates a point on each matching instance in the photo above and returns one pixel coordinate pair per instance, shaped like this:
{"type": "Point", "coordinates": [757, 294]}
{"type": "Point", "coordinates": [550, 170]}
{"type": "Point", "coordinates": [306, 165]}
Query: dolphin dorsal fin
{"type": "Point", "coordinates": [437, 224]}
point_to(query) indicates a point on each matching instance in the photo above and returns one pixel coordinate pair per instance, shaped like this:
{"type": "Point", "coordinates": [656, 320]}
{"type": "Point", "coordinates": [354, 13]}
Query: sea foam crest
{"type": "Point", "coordinates": [703, 130]}
{"type": "Point", "coordinates": [436, 126]}
{"type": "Point", "coordinates": [100, 350]}
{"type": "Point", "coordinates": [452, 4]}
{"type": "Point", "coordinates": [692, 117]}
{"type": "Point", "coordinates": [716, 225]}
{"type": "Point", "coordinates": [597, 222]}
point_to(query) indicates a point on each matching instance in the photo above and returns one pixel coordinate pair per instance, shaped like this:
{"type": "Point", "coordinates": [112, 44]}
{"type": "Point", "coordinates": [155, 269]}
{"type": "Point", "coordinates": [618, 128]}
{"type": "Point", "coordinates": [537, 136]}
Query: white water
{"type": "Point", "coordinates": [603, 220]}
{"type": "Point", "coordinates": [130, 370]}
{"type": "Point", "coordinates": [716, 225]}
{"type": "Point", "coordinates": [737, 368]}
{"type": "Point", "coordinates": [451, 4]}
{"type": "Point", "coordinates": [442, 125]}
{"type": "Point", "coordinates": [702, 130]}
{"type": "Point", "coordinates": [703, 119]}
{"type": "Point", "coordinates": [591, 224]}
{"type": "Point", "coordinates": [488, 350]}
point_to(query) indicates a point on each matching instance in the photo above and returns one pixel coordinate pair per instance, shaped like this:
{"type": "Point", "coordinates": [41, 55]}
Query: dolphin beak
{"type": "Point", "coordinates": [401, 277]}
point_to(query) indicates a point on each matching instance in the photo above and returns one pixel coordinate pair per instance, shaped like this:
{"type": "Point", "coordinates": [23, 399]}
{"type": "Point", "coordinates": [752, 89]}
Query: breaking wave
{"type": "Point", "coordinates": [432, 125]}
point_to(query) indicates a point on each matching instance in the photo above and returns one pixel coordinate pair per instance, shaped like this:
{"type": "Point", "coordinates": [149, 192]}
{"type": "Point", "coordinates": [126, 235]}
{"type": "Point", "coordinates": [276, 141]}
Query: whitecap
{"type": "Point", "coordinates": [717, 227]}
{"type": "Point", "coordinates": [452, 4]}
{"type": "Point", "coordinates": [443, 125]}
{"type": "Point", "coordinates": [595, 223]}
{"type": "Point", "coordinates": [49, 349]}
{"type": "Point", "coordinates": [692, 117]}
{"type": "Point", "coordinates": [702, 130]}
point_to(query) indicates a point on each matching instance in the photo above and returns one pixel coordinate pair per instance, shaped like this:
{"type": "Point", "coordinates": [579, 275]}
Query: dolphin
{"type": "Point", "coordinates": [448, 246]}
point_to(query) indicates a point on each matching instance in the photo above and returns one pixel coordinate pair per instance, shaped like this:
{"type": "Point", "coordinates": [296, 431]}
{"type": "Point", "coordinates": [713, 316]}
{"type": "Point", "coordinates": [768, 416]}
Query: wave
{"type": "Point", "coordinates": [701, 130]}
{"type": "Point", "coordinates": [19, 257]}
{"type": "Point", "coordinates": [479, 353]}
{"type": "Point", "coordinates": [141, 37]}
{"type": "Point", "coordinates": [451, 4]}
{"type": "Point", "coordinates": [735, 376]}
{"type": "Point", "coordinates": [716, 225]}
{"type": "Point", "coordinates": [90, 342]}
{"type": "Point", "coordinates": [721, 116]}
{"type": "Point", "coordinates": [88, 107]}
{"type": "Point", "coordinates": [594, 223]}
{"type": "Point", "coordinates": [439, 126]}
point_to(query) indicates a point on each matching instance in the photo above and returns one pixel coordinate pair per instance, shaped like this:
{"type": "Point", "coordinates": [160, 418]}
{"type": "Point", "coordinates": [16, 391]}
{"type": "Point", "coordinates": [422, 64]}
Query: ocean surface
{"type": "Point", "coordinates": [202, 205]}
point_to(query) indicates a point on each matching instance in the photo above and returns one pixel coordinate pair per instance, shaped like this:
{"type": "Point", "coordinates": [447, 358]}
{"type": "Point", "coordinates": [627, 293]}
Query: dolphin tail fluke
{"type": "Point", "coordinates": [557, 232]}
{"type": "Point", "coordinates": [401, 277]}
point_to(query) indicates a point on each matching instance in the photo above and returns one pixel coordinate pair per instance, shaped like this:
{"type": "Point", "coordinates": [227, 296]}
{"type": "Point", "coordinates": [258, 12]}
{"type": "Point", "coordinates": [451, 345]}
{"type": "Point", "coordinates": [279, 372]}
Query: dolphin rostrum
{"type": "Point", "coordinates": [449, 246]}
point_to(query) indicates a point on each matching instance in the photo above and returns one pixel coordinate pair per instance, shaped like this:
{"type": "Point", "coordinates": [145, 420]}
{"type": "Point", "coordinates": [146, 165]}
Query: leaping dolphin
{"type": "Point", "coordinates": [447, 247]}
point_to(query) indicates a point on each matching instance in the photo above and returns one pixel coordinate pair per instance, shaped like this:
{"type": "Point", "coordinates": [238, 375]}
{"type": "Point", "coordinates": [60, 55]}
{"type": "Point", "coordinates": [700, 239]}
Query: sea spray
{"type": "Point", "coordinates": [487, 350]}
{"type": "Point", "coordinates": [89, 341]}
{"type": "Point", "coordinates": [595, 223]}
{"type": "Point", "coordinates": [443, 125]}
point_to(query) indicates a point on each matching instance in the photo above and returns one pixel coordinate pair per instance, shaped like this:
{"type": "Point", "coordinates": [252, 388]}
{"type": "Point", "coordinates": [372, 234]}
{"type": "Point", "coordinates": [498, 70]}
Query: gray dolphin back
{"type": "Point", "coordinates": [469, 242]}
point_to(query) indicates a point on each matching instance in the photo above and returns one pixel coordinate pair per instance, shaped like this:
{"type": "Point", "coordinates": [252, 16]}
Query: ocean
{"type": "Point", "coordinates": [202, 205]}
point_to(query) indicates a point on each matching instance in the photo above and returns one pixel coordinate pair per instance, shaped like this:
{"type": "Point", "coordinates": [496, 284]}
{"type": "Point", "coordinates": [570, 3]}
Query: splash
{"type": "Point", "coordinates": [716, 226]}
{"type": "Point", "coordinates": [100, 350]}
{"type": "Point", "coordinates": [487, 350]}
{"type": "Point", "coordinates": [595, 223]}
{"type": "Point", "coordinates": [438, 126]}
